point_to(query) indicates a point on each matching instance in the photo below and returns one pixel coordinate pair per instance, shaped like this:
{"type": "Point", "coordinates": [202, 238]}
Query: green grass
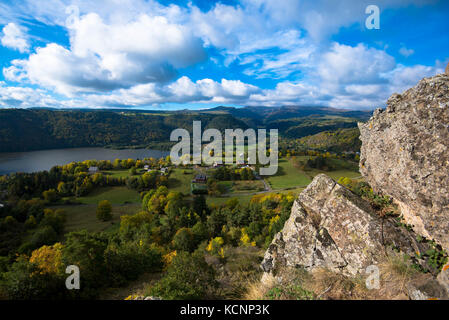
{"type": "Point", "coordinates": [83, 217]}
{"type": "Point", "coordinates": [115, 195]}
{"type": "Point", "coordinates": [288, 176]}
{"type": "Point", "coordinates": [222, 200]}
{"type": "Point", "coordinates": [178, 181]}
{"type": "Point", "coordinates": [117, 173]}
{"type": "Point", "coordinates": [247, 186]}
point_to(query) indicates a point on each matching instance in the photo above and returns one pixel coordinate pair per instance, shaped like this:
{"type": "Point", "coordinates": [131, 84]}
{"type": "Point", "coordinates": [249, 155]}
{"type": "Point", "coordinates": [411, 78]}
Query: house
{"type": "Point", "coordinates": [93, 170]}
{"type": "Point", "coordinates": [146, 167]}
{"type": "Point", "coordinates": [200, 178]}
{"type": "Point", "coordinates": [198, 184]}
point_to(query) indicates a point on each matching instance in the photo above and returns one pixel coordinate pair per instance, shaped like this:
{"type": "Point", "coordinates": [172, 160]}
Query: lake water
{"type": "Point", "coordinates": [34, 161]}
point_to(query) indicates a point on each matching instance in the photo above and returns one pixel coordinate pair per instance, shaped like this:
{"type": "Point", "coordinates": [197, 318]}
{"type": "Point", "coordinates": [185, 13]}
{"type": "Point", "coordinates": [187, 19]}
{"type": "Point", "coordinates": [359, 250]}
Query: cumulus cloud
{"type": "Point", "coordinates": [104, 57]}
{"type": "Point", "coordinates": [133, 53]}
{"type": "Point", "coordinates": [406, 52]}
{"type": "Point", "coordinates": [23, 97]}
{"type": "Point", "coordinates": [347, 64]}
{"type": "Point", "coordinates": [183, 90]}
{"type": "Point", "coordinates": [14, 37]}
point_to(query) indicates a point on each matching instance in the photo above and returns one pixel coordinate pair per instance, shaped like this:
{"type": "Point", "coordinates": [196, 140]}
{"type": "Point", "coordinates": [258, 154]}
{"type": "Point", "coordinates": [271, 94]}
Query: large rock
{"type": "Point", "coordinates": [331, 227]}
{"type": "Point", "coordinates": [426, 288]}
{"type": "Point", "coordinates": [443, 278]}
{"type": "Point", "coordinates": [405, 154]}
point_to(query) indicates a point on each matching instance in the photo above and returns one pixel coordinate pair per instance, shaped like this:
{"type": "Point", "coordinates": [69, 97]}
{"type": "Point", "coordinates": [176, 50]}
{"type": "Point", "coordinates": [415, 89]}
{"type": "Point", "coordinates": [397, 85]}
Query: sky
{"type": "Point", "coordinates": [148, 54]}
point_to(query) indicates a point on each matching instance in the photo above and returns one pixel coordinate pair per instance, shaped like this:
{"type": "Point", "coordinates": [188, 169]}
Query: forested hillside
{"type": "Point", "coordinates": [36, 129]}
{"type": "Point", "coordinates": [334, 141]}
{"type": "Point", "coordinates": [24, 130]}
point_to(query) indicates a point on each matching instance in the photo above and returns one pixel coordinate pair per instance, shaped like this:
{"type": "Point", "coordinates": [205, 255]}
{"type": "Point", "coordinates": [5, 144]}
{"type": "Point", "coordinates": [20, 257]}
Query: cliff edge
{"type": "Point", "coordinates": [405, 154]}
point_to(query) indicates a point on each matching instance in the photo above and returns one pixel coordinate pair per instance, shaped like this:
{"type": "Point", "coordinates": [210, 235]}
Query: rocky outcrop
{"type": "Point", "coordinates": [426, 288]}
{"type": "Point", "coordinates": [331, 227]}
{"type": "Point", "coordinates": [405, 154]}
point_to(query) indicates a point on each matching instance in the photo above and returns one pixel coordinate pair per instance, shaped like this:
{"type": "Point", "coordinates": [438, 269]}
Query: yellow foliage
{"type": "Point", "coordinates": [215, 246]}
{"type": "Point", "coordinates": [245, 238]}
{"type": "Point", "coordinates": [48, 258]}
{"type": "Point", "coordinates": [168, 258]}
{"type": "Point", "coordinates": [273, 220]}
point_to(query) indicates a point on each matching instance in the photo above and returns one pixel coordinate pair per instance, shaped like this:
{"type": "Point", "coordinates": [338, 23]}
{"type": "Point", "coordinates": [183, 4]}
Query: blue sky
{"type": "Point", "coordinates": [163, 54]}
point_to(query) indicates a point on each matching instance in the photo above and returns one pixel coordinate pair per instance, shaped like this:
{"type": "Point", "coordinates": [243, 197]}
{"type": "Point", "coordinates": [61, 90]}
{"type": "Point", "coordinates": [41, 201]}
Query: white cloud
{"type": "Point", "coordinates": [14, 37]}
{"type": "Point", "coordinates": [24, 97]}
{"type": "Point", "coordinates": [129, 53]}
{"type": "Point", "coordinates": [345, 64]}
{"type": "Point", "coordinates": [403, 77]}
{"type": "Point", "coordinates": [406, 52]}
{"type": "Point", "coordinates": [183, 90]}
{"type": "Point", "coordinates": [104, 56]}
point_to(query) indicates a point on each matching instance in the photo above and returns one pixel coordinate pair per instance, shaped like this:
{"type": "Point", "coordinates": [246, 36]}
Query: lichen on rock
{"type": "Point", "coordinates": [405, 154]}
{"type": "Point", "coordinates": [330, 227]}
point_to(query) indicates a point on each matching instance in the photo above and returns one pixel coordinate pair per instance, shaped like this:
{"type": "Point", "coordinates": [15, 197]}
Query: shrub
{"type": "Point", "coordinates": [45, 235]}
{"type": "Point", "coordinates": [184, 240]}
{"type": "Point", "coordinates": [86, 251]}
{"type": "Point", "coordinates": [50, 195]}
{"type": "Point", "coordinates": [127, 261]}
{"type": "Point", "coordinates": [104, 210]}
{"type": "Point", "coordinates": [24, 281]}
{"type": "Point", "coordinates": [187, 277]}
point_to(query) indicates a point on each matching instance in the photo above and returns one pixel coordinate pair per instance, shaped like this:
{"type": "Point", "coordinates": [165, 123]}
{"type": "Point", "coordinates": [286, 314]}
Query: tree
{"type": "Point", "coordinates": [104, 210]}
{"type": "Point", "coordinates": [200, 206]}
{"type": "Point", "coordinates": [50, 195]}
{"type": "Point", "coordinates": [25, 281]}
{"type": "Point", "coordinates": [48, 258]}
{"type": "Point", "coordinates": [31, 223]}
{"type": "Point", "coordinates": [86, 251]}
{"type": "Point", "coordinates": [127, 260]}
{"type": "Point", "coordinates": [63, 188]}
{"type": "Point", "coordinates": [184, 240]}
{"type": "Point", "coordinates": [187, 277]}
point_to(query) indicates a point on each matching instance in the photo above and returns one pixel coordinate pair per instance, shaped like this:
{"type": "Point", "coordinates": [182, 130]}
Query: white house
{"type": "Point", "coordinates": [146, 167]}
{"type": "Point", "coordinates": [93, 170]}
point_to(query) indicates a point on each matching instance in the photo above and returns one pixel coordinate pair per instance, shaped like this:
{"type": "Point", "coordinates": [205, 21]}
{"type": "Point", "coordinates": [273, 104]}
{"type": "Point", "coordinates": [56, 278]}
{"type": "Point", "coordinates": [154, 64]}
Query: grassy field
{"type": "Point", "coordinates": [288, 176]}
{"type": "Point", "coordinates": [247, 186]}
{"type": "Point", "coordinates": [83, 217]}
{"type": "Point", "coordinates": [180, 181]}
{"type": "Point", "coordinates": [117, 173]}
{"type": "Point", "coordinates": [115, 195]}
{"type": "Point", "coordinates": [289, 179]}
{"type": "Point", "coordinates": [243, 199]}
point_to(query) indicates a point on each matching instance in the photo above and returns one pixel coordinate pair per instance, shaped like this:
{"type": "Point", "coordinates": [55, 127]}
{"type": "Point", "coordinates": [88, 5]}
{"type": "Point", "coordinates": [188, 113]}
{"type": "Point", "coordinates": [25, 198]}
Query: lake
{"type": "Point", "coordinates": [34, 161]}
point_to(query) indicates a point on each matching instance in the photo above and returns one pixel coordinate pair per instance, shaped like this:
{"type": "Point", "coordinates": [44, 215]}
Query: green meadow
{"type": "Point", "coordinates": [290, 178]}
{"type": "Point", "coordinates": [115, 195]}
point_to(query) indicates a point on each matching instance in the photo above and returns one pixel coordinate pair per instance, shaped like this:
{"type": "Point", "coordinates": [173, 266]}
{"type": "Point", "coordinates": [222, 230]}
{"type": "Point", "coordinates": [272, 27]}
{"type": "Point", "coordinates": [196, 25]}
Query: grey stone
{"type": "Point", "coordinates": [331, 227]}
{"type": "Point", "coordinates": [443, 278]}
{"type": "Point", "coordinates": [405, 154]}
{"type": "Point", "coordinates": [426, 288]}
